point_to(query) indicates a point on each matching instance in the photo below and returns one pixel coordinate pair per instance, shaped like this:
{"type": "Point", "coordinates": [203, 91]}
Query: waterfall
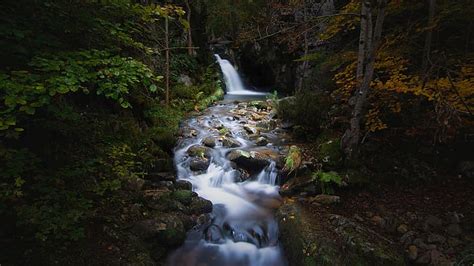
{"type": "Point", "coordinates": [233, 82]}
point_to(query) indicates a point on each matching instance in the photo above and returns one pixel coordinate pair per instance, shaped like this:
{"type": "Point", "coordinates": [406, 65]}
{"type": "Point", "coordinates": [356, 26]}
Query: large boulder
{"type": "Point", "coordinates": [254, 160]}
{"type": "Point", "coordinates": [199, 164]}
{"type": "Point", "coordinates": [199, 151]}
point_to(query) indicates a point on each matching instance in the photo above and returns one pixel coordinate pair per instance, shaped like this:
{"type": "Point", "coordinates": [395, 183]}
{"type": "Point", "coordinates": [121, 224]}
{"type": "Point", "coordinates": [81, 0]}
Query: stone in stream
{"type": "Point", "coordinates": [199, 164]}
{"type": "Point", "coordinates": [252, 161]}
{"type": "Point", "coordinates": [250, 129]}
{"type": "Point", "coordinates": [209, 142]}
{"type": "Point", "coordinates": [261, 141]}
{"type": "Point", "coordinates": [229, 142]}
{"type": "Point", "coordinates": [199, 151]}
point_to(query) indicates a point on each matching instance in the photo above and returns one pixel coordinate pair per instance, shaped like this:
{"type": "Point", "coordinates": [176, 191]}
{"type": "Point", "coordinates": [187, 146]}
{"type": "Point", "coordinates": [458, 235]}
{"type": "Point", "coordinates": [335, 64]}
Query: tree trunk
{"type": "Point", "coordinates": [189, 32]}
{"type": "Point", "coordinates": [304, 65]}
{"type": "Point", "coordinates": [362, 40]}
{"type": "Point", "coordinates": [167, 62]}
{"type": "Point", "coordinates": [351, 139]}
{"type": "Point", "coordinates": [429, 35]}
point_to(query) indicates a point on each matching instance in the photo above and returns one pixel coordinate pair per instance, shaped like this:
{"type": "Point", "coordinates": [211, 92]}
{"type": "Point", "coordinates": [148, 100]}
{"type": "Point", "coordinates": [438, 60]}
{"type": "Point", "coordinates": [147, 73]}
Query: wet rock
{"type": "Point", "coordinates": [326, 199]}
{"type": "Point", "coordinates": [454, 230]}
{"type": "Point", "coordinates": [432, 222]}
{"type": "Point", "coordinates": [261, 141]}
{"type": "Point", "coordinates": [230, 143]}
{"type": "Point", "coordinates": [435, 238]}
{"type": "Point", "coordinates": [214, 234]}
{"type": "Point", "coordinates": [252, 161]}
{"type": "Point", "coordinates": [209, 142]}
{"type": "Point", "coordinates": [402, 229]}
{"type": "Point", "coordinates": [256, 117]}
{"type": "Point", "coordinates": [200, 206]}
{"type": "Point", "coordinates": [412, 252]}
{"type": "Point", "coordinates": [199, 164]}
{"type": "Point", "coordinates": [183, 185]}
{"type": "Point", "coordinates": [199, 151]}
{"type": "Point", "coordinates": [250, 129]}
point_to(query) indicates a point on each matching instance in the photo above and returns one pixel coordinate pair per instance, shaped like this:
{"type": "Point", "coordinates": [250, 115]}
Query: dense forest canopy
{"type": "Point", "coordinates": [93, 94]}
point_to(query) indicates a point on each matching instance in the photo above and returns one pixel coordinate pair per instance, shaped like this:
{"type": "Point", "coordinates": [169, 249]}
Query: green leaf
{"type": "Point", "coordinates": [153, 88]}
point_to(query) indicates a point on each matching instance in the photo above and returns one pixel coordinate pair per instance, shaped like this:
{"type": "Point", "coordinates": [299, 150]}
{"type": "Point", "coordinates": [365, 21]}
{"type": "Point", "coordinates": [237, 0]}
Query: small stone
{"type": "Point", "coordinates": [432, 222]}
{"type": "Point", "coordinates": [261, 141]}
{"type": "Point", "coordinates": [435, 238]}
{"type": "Point", "coordinates": [209, 142]}
{"type": "Point", "coordinates": [326, 199]}
{"type": "Point", "coordinates": [412, 252]}
{"type": "Point", "coordinates": [377, 220]}
{"type": "Point", "coordinates": [183, 185]}
{"type": "Point", "coordinates": [402, 229]}
{"type": "Point", "coordinates": [454, 230]}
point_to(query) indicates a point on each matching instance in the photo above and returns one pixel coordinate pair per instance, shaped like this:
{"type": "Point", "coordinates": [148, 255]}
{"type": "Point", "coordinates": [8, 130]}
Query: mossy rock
{"type": "Point", "coordinates": [199, 151]}
{"type": "Point", "coordinates": [183, 196]}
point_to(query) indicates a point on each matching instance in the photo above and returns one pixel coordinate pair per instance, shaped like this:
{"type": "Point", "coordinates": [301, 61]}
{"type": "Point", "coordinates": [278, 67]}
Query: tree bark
{"type": "Point", "coordinates": [304, 66]}
{"type": "Point", "coordinates": [429, 35]}
{"type": "Point", "coordinates": [362, 40]}
{"type": "Point", "coordinates": [167, 62]}
{"type": "Point", "coordinates": [351, 138]}
{"type": "Point", "coordinates": [189, 31]}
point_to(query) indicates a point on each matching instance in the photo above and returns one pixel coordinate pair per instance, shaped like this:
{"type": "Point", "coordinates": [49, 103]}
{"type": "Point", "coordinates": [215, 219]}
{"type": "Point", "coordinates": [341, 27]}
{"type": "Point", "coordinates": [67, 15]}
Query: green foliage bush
{"type": "Point", "coordinates": [327, 181]}
{"type": "Point", "coordinates": [308, 109]}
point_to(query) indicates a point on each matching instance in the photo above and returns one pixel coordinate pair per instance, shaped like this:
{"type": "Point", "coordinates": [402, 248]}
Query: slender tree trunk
{"type": "Point", "coordinates": [351, 138]}
{"type": "Point", "coordinates": [305, 63]}
{"type": "Point", "coordinates": [429, 35]}
{"type": "Point", "coordinates": [167, 62]}
{"type": "Point", "coordinates": [362, 40]}
{"type": "Point", "coordinates": [189, 32]}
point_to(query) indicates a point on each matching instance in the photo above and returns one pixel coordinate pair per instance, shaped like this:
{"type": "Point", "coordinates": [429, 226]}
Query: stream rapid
{"type": "Point", "coordinates": [230, 160]}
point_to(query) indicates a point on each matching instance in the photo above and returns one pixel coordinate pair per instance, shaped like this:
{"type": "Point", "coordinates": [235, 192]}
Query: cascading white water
{"type": "Point", "coordinates": [242, 229]}
{"type": "Point", "coordinates": [232, 79]}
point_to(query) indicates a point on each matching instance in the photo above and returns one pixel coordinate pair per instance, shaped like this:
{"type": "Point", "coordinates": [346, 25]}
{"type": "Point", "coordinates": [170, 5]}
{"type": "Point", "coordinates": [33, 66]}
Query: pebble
{"type": "Point", "coordinates": [412, 252]}
{"type": "Point", "coordinates": [377, 220]}
{"type": "Point", "coordinates": [402, 229]}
